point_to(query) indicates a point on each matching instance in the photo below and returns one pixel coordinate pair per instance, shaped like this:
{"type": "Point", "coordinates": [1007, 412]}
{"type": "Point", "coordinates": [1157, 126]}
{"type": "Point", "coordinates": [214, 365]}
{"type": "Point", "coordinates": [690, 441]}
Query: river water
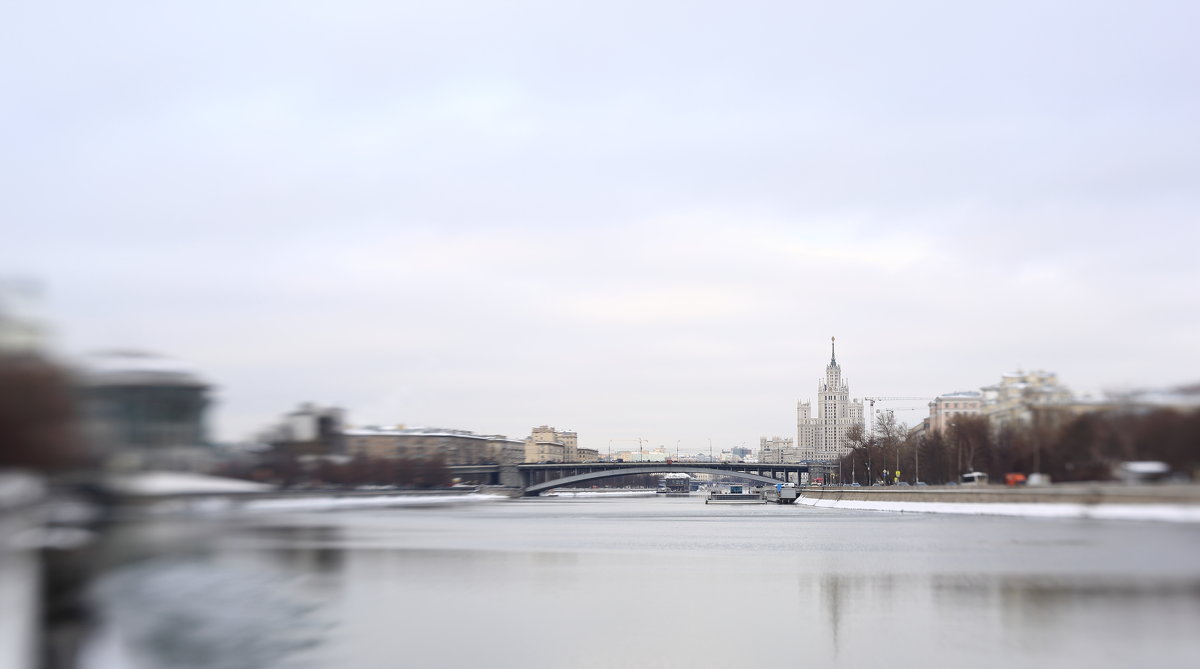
{"type": "Point", "coordinates": [644, 582]}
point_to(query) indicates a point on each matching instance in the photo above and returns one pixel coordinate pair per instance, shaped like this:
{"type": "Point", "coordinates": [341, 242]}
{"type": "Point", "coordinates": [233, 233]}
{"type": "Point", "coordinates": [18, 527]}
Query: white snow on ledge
{"type": "Point", "coordinates": [601, 493]}
{"type": "Point", "coordinates": [219, 506]}
{"type": "Point", "coordinates": [1175, 513]}
{"type": "Point", "coordinates": [180, 483]}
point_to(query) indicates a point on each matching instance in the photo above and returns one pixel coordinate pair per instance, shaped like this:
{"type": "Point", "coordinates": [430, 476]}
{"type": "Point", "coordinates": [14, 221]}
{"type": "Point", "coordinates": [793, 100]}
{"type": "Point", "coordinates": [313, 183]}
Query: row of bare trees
{"type": "Point", "coordinates": [1083, 447]}
{"type": "Point", "coordinates": [290, 471]}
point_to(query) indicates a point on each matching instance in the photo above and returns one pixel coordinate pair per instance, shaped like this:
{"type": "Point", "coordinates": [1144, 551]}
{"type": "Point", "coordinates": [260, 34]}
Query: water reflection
{"type": "Point", "coordinates": [1097, 619]}
{"type": "Point", "coordinates": [203, 614]}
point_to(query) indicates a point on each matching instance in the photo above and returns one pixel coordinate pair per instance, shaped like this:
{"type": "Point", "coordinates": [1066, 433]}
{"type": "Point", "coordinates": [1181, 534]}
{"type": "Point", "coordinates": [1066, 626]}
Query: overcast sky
{"type": "Point", "coordinates": [631, 219]}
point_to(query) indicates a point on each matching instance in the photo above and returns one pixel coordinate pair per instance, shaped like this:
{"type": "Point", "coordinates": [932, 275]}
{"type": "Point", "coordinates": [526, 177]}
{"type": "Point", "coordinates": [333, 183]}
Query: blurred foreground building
{"type": "Point", "coordinates": [1020, 398]}
{"type": "Point", "coordinates": [143, 411]}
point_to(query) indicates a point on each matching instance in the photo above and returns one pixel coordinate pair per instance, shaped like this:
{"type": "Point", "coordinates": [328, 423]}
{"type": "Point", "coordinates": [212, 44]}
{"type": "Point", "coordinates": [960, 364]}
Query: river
{"type": "Point", "coordinates": [643, 582]}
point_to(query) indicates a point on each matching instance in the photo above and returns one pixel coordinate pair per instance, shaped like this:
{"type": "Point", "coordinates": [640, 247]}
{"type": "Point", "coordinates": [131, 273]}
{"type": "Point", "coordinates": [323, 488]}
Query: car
{"type": "Point", "coordinates": [920, 483]}
{"type": "Point", "coordinates": [902, 483]}
{"type": "Point", "coordinates": [856, 485]}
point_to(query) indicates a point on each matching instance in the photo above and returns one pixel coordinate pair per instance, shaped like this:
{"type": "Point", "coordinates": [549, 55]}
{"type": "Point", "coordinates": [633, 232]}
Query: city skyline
{"type": "Point", "coordinates": [624, 220]}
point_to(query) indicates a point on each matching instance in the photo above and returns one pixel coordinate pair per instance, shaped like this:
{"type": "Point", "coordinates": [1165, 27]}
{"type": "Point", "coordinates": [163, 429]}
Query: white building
{"type": "Point", "coordinates": [822, 436]}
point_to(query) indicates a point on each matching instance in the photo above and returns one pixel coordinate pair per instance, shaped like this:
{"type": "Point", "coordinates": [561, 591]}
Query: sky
{"type": "Point", "coordinates": [637, 220]}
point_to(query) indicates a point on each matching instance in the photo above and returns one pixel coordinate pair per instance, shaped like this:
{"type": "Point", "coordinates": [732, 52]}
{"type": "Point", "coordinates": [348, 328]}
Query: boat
{"type": "Point", "coordinates": [782, 493]}
{"type": "Point", "coordinates": [737, 494]}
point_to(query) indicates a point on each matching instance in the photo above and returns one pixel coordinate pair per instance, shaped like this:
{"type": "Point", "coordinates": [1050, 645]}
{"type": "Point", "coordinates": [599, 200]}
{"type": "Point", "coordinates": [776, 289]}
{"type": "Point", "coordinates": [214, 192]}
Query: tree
{"type": "Point", "coordinates": [865, 447]}
{"type": "Point", "coordinates": [890, 438]}
{"type": "Point", "coordinates": [970, 436]}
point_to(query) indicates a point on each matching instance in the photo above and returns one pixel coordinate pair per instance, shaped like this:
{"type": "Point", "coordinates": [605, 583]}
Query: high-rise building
{"type": "Point", "coordinates": [822, 436]}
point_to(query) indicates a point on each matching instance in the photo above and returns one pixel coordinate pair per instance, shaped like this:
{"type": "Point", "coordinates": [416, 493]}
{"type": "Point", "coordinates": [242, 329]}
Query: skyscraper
{"type": "Point", "coordinates": [823, 436]}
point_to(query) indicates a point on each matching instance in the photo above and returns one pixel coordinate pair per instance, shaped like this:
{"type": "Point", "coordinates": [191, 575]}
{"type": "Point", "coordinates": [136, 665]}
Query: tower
{"type": "Point", "coordinates": [822, 436]}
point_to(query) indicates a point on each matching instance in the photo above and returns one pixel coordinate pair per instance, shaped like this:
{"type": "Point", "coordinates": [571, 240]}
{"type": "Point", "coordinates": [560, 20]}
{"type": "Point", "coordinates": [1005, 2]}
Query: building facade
{"type": "Point", "coordinates": [145, 411]}
{"type": "Point", "coordinates": [777, 451]}
{"type": "Point", "coordinates": [309, 430]}
{"type": "Point", "coordinates": [1014, 399]}
{"type": "Point", "coordinates": [454, 447]}
{"type": "Point", "coordinates": [945, 407]}
{"type": "Point", "coordinates": [821, 435]}
{"type": "Point", "coordinates": [546, 444]}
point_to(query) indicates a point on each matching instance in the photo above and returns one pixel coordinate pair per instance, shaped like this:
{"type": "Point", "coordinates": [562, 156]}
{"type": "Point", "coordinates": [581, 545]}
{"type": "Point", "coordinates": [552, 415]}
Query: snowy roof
{"type": "Point", "coordinates": [961, 393]}
{"type": "Point", "coordinates": [137, 368]}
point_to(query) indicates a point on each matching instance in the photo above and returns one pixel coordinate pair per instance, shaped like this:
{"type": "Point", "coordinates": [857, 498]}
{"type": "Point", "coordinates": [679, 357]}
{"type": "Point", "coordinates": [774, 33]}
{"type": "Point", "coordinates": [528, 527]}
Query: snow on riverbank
{"type": "Point", "coordinates": [601, 493]}
{"type": "Point", "coordinates": [180, 483]}
{"type": "Point", "coordinates": [1176, 513]}
{"type": "Point", "coordinates": [308, 504]}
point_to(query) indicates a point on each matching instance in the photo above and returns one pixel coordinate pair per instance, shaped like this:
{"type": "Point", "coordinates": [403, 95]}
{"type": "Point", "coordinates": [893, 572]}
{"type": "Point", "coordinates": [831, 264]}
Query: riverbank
{"type": "Point", "coordinates": [1167, 503]}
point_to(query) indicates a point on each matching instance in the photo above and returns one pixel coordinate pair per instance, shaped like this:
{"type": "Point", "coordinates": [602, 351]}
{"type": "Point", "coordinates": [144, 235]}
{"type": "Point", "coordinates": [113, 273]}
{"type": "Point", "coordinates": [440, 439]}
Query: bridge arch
{"type": "Point", "coordinates": [652, 469]}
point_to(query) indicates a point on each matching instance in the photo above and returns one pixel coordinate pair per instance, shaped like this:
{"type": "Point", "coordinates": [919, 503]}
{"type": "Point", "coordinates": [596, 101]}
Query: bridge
{"type": "Point", "coordinates": [535, 478]}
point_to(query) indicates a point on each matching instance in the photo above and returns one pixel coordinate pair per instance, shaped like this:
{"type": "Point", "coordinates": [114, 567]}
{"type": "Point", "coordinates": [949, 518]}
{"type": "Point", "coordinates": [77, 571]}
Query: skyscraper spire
{"type": "Point", "coordinates": [833, 350]}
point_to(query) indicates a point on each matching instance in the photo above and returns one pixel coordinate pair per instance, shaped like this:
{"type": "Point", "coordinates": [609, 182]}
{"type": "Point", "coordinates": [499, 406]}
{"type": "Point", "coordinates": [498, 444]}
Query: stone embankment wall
{"type": "Point", "coordinates": [1065, 493]}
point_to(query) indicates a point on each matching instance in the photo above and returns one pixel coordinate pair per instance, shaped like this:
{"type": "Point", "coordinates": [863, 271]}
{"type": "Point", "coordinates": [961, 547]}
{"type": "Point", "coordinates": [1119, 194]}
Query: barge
{"type": "Point", "coordinates": [735, 495]}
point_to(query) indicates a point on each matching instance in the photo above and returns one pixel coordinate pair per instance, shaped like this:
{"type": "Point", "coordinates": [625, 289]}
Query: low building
{"type": "Point", "coordinates": [454, 447]}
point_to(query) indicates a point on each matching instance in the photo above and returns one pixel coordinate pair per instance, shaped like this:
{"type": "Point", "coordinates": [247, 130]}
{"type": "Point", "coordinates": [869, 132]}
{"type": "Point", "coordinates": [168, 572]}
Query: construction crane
{"type": "Point", "coordinates": [873, 400]}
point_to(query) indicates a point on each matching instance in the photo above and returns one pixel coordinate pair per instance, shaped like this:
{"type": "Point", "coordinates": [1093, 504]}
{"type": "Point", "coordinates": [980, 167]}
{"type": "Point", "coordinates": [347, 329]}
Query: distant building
{"type": "Point", "coordinates": [822, 436]}
{"type": "Point", "coordinates": [777, 451]}
{"type": "Point", "coordinates": [454, 447]}
{"type": "Point", "coordinates": [1017, 399]}
{"type": "Point", "coordinates": [309, 430]}
{"type": "Point", "coordinates": [145, 411]}
{"type": "Point", "coordinates": [546, 444]}
{"type": "Point", "coordinates": [947, 406]}
{"type": "Point", "coordinates": [1014, 399]}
